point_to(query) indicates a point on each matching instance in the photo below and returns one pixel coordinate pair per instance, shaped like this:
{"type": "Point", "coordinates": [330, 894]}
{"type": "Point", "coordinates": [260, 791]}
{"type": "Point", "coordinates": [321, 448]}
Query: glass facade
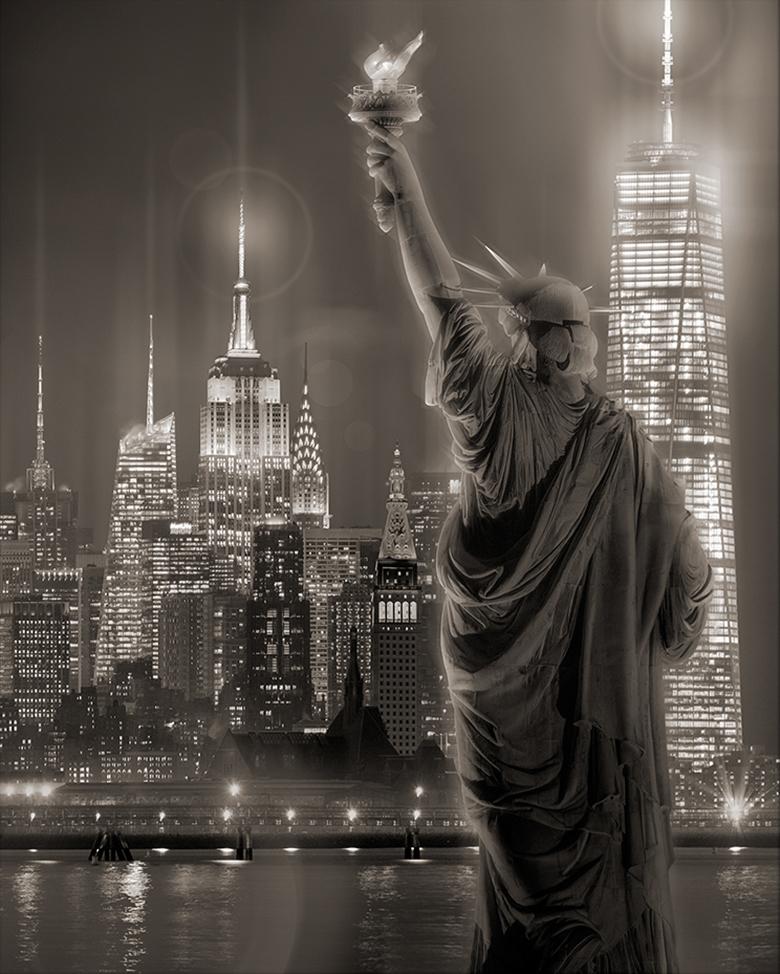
{"type": "Point", "coordinates": [331, 556]}
{"type": "Point", "coordinates": [144, 489]}
{"type": "Point", "coordinates": [666, 361]}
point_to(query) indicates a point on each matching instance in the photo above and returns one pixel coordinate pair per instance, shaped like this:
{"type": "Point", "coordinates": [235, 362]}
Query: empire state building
{"type": "Point", "coordinates": [244, 473]}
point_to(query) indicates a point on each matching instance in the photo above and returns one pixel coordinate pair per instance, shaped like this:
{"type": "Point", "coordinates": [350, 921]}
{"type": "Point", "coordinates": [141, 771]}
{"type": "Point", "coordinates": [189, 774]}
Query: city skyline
{"type": "Point", "coordinates": [316, 285]}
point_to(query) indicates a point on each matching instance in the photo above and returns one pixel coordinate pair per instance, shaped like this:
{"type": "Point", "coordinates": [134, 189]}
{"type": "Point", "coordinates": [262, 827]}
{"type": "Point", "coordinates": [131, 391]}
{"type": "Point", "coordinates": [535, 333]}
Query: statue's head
{"type": "Point", "coordinates": [550, 315]}
{"type": "Point", "coordinates": [545, 315]}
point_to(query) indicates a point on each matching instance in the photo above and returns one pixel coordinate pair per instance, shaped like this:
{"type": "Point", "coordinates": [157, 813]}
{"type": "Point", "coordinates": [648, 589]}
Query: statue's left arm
{"type": "Point", "coordinates": [429, 268]}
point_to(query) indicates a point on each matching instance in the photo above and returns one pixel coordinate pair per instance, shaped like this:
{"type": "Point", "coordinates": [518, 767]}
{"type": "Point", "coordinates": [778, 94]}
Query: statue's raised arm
{"type": "Point", "coordinates": [429, 267]}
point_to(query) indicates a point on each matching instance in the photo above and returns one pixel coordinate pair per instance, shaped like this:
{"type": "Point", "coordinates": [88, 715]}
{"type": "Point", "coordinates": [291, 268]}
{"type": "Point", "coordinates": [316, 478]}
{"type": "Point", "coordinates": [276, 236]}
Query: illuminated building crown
{"type": "Point", "coordinates": [40, 475]}
{"type": "Point", "coordinates": [307, 457]}
{"type": "Point", "coordinates": [397, 540]}
{"type": "Point", "coordinates": [242, 337]}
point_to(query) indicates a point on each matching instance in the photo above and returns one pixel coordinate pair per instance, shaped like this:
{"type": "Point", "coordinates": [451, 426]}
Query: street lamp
{"type": "Point", "coordinates": [32, 817]}
{"type": "Point", "coordinates": [97, 816]}
{"type": "Point", "coordinates": [161, 817]}
{"type": "Point", "coordinates": [351, 815]}
{"type": "Point", "coordinates": [416, 814]}
{"type": "Point", "coordinates": [290, 815]}
{"type": "Point", "coordinates": [736, 809]}
{"type": "Point", "coordinates": [227, 815]}
{"type": "Point", "coordinates": [235, 788]}
{"type": "Point", "coordinates": [418, 791]}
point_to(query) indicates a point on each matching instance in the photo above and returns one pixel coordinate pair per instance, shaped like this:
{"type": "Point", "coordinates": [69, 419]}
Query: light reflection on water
{"type": "Point", "coordinates": [326, 911]}
{"type": "Point", "coordinates": [740, 884]}
{"type": "Point", "coordinates": [26, 888]}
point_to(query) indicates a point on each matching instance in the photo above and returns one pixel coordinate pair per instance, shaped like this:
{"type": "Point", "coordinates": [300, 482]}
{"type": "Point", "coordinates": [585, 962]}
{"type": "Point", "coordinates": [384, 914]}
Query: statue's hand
{"type": "Point", "coordinates": [388, 161]}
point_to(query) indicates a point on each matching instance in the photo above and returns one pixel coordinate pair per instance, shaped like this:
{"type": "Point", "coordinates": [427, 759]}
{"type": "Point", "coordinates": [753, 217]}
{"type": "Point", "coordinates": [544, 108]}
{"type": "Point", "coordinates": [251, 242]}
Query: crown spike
{"type": "Point", "coordinates": [479, 271]}
{"type": "Point", "coordinates": [504, 264]}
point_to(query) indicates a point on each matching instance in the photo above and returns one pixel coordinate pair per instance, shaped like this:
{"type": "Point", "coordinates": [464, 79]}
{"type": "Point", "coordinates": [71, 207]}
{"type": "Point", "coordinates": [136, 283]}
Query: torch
{"type": "Point", "coordinates": [389, 104]}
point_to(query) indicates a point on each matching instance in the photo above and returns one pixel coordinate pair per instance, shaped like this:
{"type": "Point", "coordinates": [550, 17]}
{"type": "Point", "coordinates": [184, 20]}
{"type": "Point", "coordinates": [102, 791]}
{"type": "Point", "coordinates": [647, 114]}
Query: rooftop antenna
{"type": "Point", "coordinates": [39, 457]}
{"type": "Point", "coordinates": [150, 378]}
{"type": "Point", "coordinates": [667, 83]}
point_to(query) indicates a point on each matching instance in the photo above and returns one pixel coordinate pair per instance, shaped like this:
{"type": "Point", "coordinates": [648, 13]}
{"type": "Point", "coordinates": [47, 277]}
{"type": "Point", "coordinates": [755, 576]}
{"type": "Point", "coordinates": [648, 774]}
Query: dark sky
{"type": "Point", "coordinates": [128, 129]}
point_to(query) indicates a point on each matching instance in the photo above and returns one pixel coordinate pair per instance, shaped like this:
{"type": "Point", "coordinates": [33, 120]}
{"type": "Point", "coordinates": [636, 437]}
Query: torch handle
{"type": "Point", "coordinates": [384, 206]}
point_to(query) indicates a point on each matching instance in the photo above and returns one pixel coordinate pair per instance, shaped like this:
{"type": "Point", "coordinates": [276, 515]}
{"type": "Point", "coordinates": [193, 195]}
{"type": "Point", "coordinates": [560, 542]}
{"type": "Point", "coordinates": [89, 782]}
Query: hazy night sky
{"type": "Point", "coordinates": [129, 127]}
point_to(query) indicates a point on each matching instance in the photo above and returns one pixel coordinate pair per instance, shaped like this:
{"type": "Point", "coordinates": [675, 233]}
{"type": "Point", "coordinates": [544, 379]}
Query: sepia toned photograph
{"type": "Point", "coordinates": [388, 487]}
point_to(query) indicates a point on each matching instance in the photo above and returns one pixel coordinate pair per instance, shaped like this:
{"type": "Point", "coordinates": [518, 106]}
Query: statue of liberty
{"type": "Point", "coordinates": [572, 574]}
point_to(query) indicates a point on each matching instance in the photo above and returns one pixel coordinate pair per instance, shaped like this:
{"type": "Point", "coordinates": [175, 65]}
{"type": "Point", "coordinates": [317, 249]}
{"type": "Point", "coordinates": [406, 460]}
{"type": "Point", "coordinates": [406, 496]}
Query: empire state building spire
{"type": "Point", "coordinates": [40, 474]}
{"type": "Point", "coordinates": [667, 82]}
{"type": "Point", "coordinates": [150, 379]}
{"type": "Point", "coordinates": [242, 338]}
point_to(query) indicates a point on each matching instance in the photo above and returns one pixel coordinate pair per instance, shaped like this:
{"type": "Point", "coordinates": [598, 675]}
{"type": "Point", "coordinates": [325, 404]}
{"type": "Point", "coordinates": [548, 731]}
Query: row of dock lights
{"type": "Point", "coordinates": [28, 790]}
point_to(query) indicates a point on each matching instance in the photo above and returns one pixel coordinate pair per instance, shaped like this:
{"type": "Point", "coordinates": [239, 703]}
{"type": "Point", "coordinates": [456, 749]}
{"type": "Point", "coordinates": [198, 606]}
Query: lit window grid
{"type": "Point", "coordinates": [145, 488]}
{"type": "Point", "coordinates": [671, 331]}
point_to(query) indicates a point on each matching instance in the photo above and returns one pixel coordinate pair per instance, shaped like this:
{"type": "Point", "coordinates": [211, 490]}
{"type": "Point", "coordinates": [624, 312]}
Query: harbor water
{"type": "Point", "coordinates": [338, 910]}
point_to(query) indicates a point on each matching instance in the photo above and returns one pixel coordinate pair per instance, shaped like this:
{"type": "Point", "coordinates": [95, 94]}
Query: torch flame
{"type": "Point", "coordinates": [383, 66]}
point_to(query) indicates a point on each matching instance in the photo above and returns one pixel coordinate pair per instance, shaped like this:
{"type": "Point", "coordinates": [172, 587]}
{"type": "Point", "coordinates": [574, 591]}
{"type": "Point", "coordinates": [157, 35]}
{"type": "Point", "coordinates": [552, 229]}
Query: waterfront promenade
{"type": "Point", "coordinates": [280, 813]}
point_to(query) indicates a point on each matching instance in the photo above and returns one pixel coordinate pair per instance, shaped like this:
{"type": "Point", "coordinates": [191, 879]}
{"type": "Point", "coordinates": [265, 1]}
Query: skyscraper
{"type": "Point", "coordinates": [395, 671]}
{"type": "Point", "coordinates": [330, 557]}
{"type": "Point", "coordinates": [144, 489]}
{"type": "Point", "coordinates": [174, 558]}
{"type": "Point", "coordinates": [431, 497]}
{"type": "Point", "coordinates": [185, 663]}
{"type": "Point", "coordinates": [64, 585]}
{"type": "Point", "coordinates": [310, 487]}
{"type": "Point", "coordinates": [244, 471]}
{"type": "Point", "coordinates": [226, 636]}
{"type": "Point", "coordinates": [92, 565]}
{"type": "Point", "coordinates": [45, 513]}
{"type": "Point", "coordinates": [279, 678]}
{"type": "Point", "coordinates": [40, 659]}
{"type": "Point", "coordinates": [666, 360]}
{"type": "Point", "coordinates": [350, 616]}
{"type": "Point", "coordinates": [16, 568]}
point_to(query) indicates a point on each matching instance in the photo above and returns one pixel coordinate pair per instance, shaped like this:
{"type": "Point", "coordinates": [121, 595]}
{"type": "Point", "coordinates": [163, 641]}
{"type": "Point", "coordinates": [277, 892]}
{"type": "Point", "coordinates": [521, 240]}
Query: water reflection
{"type": "Point", "coordinates": [417, 916]}
{"type": "Point", "coordinates": [26, 893]}
{"type": "Point", "coordinates": [750, 901]}
{"type": "Point", "coordinates": [376, 930]}
{"type": "Point", "coordinates": [132, 885]}
{"type": "Point", "coordinates": [326, 912]}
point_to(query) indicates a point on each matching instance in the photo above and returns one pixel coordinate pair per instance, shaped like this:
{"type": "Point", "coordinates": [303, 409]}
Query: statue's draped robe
{"type": "Point", "coordinates": [572, 573]}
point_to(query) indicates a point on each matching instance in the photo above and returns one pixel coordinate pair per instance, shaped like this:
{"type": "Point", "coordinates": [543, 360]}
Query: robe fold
{"type": "Point", "coordinates": [571, 573]}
